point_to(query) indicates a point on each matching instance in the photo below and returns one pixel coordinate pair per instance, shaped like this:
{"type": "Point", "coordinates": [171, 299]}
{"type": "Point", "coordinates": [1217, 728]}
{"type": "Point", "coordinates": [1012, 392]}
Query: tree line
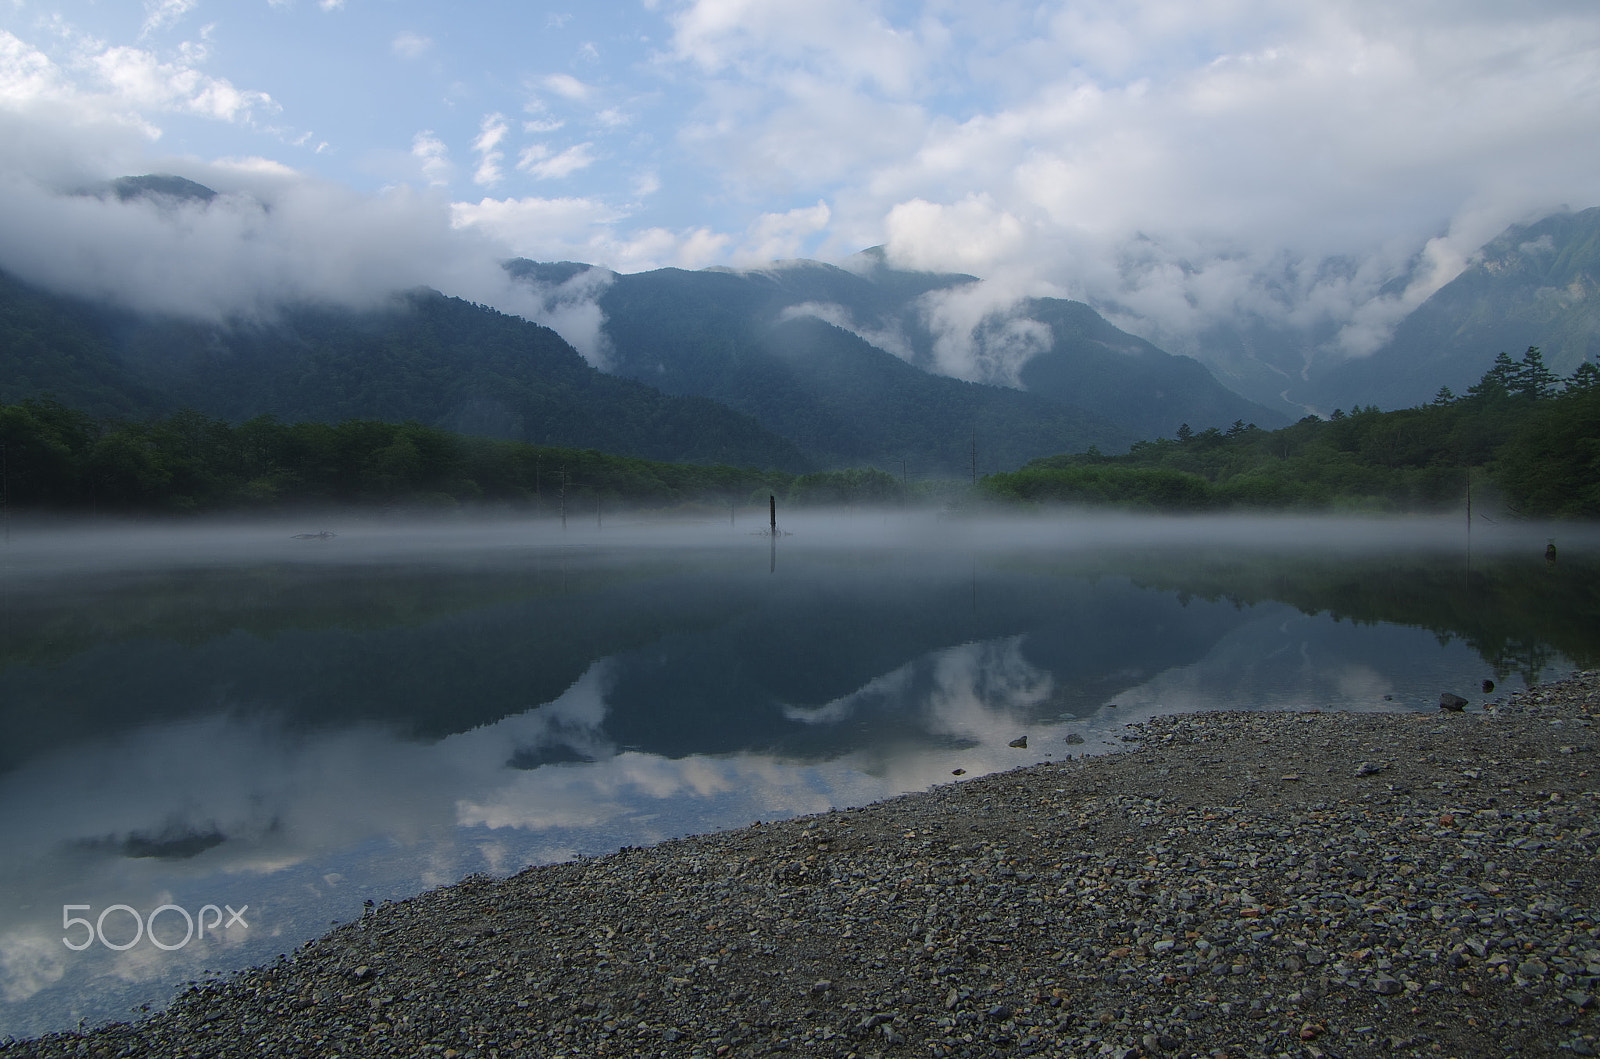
{"type": "Point", "coordinates": [1521, 433]}
{"type": "Point", "coordinates": [53, 458]}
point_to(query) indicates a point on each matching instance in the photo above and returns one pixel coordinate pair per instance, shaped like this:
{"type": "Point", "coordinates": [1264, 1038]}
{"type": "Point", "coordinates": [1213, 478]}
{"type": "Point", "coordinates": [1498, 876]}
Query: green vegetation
{"type": "Point", "coordinates": [1531, 284]}
{"type": "Point", "coordinates": [1520, 430]}
{"type": "Point", "coordinates": [439, 361]}
{"type": "Point", "coordinates": [844, 402]}
{"type": "Point", "coordinates": [1514, 611]}
{"type": "Point", "coordinates": [54, 458]}
{"type": "Point", "coordinates": [1520, 434]}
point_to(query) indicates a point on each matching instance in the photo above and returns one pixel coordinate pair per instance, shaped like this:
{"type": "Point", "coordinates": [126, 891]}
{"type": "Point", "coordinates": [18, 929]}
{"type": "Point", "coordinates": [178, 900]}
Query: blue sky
{"type": "Point", "coordinates": [1174, 162]}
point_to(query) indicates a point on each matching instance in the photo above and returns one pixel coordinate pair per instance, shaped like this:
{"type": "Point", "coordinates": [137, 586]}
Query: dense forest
{"type": "Point", "coordinates": [420, 356]}
{"type": "Point", "coordinates": [1521, 437]}
{"type": "Point", "coordinates": [53, 458]}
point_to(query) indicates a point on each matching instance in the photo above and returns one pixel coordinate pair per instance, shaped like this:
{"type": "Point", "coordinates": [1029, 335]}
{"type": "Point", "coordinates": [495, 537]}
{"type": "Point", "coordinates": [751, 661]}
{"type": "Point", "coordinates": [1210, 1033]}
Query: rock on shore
{"type": "Point", "coordinates": [1248, 884]}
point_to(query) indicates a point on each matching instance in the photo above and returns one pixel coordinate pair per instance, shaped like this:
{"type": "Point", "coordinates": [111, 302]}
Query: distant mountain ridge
{"type": "Point", "coordinates": [838, 360]}
{"type": "Point", "coordinates": [441, 361]}
{"type": "Point", "coordinates": [791, 367]}
{"type": "Point", "coordinates": [798, 365]}
{"type": "Point", "coordinates": [1533, 285]}
{"type": "Point", "coordinates": [718, 334]}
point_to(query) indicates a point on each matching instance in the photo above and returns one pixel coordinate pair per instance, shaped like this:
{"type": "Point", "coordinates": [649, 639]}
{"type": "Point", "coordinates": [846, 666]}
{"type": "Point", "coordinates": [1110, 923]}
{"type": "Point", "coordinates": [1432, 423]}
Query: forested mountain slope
{"type": "Point", "coordinates": [848, 363]}
{"type": "Point", "coordinates": [425, 357]}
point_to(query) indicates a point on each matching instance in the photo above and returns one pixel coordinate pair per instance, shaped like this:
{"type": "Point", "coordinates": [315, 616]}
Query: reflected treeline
{"type": "Point", "coordinates": [709, 653]}
{"type": "Point", "coordinates": [424, 651]}
{"type": "Point", "coordinates": [1517, 612]}
{"type": "Point", "coordinates": [706, 653]}
{"type": "Point", "coordinates": [46, 623]}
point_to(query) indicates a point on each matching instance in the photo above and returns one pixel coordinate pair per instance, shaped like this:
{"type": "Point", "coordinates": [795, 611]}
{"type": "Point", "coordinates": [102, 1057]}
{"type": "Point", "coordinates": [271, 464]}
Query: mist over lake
{"type": "Point", "coordinates": [223, 715]}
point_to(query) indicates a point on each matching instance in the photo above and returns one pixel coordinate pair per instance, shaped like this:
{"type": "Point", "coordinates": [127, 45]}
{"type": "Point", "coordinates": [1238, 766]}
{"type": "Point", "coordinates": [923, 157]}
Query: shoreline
{"type": "Point", "coordinates": [1316, 884]}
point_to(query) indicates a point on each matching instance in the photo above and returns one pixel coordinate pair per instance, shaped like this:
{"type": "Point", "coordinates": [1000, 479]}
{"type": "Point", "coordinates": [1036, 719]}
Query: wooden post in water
{"type": "Point", "coordinates": [772, 514]}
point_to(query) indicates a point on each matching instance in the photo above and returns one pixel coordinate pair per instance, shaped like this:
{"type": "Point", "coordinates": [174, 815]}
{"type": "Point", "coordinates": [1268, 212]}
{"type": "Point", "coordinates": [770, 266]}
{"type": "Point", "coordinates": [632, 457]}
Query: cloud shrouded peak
{"type": "Point", "coordinates": [1320, 168]}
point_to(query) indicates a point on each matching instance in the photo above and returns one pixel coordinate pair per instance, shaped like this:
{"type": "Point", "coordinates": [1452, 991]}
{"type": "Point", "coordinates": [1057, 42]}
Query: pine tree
{"type": "Point", "coordinates": [1587, 377]}
{"type": "Point", "coordinates": [1531, 378]}
{"type": "Point", "coordinates": [1498, 381]}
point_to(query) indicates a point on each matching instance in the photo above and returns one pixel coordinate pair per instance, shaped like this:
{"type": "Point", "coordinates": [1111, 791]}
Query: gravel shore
{"type": "Point", "coordinates": [1248, 884]}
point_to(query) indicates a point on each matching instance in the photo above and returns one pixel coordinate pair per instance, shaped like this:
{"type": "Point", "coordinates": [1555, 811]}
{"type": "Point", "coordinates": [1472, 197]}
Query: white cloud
{"type": "Point", "coordinates": [1176, 163]}
{"type": "Point", "coordinates": [568, 87]}
{"type": "Point", "coordinates": [538, 161]}
{"type": "Point", "coordinates": [968, 235]}
{"type": "Point", "coordinates": [159, 14]}
{"type": "Point", "coordinates": [542, 229]}
{"type": "Point", "coordinates": [977, 336]}
{"type": "Point", "coordinates": [820, 132]}
{"type": "Point", "coordinates": [434, 156]}
{"type": "Point", "coordinates": [890, 339]}
{"type": "Point", "coordinates": [140, 80]}
{"type": "Point", "coordinates": [410, 45]}
{"type": "Point", "coordinates": [572, 310]}
{"type": "Point", "coordinates": [122, 84]}
{"type": "Point", "coordinates": [272, 236]}
{"type": "Point", "coordinates": [27, 75]}
{"type": "Point", "coordinates": [698, 248]}
{"type": "Point", "coordinates": [491, 131]}
{"type": "Point", "coordinates": [849, 42]}
{"type": "Point", "coordinates": [775, 236]}
{"type": "Point", "coordinates": [582, 229]}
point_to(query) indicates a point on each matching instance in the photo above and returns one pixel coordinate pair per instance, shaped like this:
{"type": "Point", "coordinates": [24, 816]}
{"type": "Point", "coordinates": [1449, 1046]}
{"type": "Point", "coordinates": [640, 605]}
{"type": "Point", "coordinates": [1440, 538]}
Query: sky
{"type": "Point", "coordinates": [1176, 163]}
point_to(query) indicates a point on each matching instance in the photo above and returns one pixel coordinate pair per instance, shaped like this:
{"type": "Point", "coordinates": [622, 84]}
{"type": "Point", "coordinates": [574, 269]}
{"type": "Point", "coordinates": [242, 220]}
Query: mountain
{"type": "Point", "coordinates": [792, 366]}
{"type": "Point", "coordinates": [721, 335]}
{"type": "Point", "coordinates": [843, 361]}
{"type": "Point", "coordinates": [51, 345]}
{"type": "Point", "coordinates": [441, 361]}
{"type": "Point", "coordinates": [1128, 380]}
{"type": "Point", "coordinates": [1533, 285]}
{"type": "Point", "coordinates": [159, 187]}
{"type": "Point", "coordinates": [1087, 362]}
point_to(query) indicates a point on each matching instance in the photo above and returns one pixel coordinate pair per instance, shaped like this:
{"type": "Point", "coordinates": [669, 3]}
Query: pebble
{"type": "Point", "coordinates": [1426, 886]}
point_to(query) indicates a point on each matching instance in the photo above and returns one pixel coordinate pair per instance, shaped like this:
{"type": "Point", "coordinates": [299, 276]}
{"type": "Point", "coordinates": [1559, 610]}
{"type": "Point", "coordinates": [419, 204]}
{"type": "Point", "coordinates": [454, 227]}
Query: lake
{"type": "Point", "coordinates": [219, 739]}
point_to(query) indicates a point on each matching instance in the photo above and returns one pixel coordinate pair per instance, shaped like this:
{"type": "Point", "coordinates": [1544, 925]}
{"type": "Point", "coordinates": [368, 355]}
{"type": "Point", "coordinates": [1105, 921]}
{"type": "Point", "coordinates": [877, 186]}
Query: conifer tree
{"type": "Point", "coordinates": [1532, 379]}
{"type": "Point", "coordinates": [1587, 377]}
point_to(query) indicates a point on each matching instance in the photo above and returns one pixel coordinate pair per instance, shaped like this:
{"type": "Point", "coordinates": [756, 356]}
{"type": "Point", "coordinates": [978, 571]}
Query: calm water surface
{"type": "Point", "coordinates": [284, 729]}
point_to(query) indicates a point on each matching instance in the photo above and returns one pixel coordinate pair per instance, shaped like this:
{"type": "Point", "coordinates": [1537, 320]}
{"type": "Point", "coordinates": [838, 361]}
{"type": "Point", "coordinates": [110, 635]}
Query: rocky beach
{"type": "Point", "coordinates": [1239, 884]}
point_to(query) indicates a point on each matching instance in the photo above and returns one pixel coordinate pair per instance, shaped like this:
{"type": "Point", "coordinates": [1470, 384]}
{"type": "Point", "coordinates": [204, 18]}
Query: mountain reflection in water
{"type": "Point", "coordinates": [236, 718]}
